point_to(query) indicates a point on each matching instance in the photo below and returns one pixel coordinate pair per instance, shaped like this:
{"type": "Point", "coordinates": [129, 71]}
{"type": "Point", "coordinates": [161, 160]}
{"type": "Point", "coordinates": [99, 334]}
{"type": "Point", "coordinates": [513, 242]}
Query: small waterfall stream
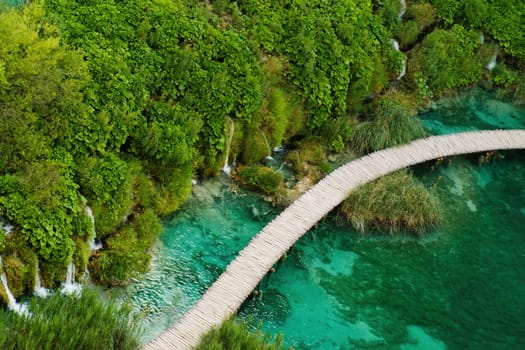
{"type": "Point", "coordinates": [269, 156]}
{"type": "Point", "coordinates": [20, 309]}
{"type": "Point", "coordinates": [226, 168]}
{"type": "Point", "coordinates": [493, 61]}
{"type": "Point", "coordinates": [70, 287]}
{"type": "Point", "coordinates": [403, 9]}
{"type": "Point", "coordinates": [403, 71]}
{"type": "Point", "coordinates": [93, 244]}
{"type": "Point", "coordinates": [39, 291]}
{"type": "Point", "coordinates": [6, 227]}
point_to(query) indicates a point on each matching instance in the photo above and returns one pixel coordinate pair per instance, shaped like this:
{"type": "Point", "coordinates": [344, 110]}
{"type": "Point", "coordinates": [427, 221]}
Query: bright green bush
{"type": "Point", "coordinates": [447, 59]}
{"type": "Point", "coordinates": [394, 203]}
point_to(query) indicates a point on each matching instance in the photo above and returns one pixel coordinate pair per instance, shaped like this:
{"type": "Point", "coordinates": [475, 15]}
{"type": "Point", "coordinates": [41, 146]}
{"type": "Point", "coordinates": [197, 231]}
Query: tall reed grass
{"type": "Point", "coordinates": [394, 203]}
{"type": "Point", "coordinates": [70, 323]}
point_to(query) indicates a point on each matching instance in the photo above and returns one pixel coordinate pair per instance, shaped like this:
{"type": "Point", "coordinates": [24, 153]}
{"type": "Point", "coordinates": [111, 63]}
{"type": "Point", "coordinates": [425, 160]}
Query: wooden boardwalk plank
{"type": "Point", "coordinates": [245, 272]}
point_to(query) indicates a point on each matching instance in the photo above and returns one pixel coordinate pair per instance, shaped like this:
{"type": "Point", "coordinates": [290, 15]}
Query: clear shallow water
{"type": "Point", "coordinates": [197, 245]}
{"type": "Point", "coordinates": [461, 287]}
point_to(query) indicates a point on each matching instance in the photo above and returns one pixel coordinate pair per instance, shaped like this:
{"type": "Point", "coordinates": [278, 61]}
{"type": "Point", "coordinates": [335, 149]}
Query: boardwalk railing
{"type": "Point", "coordinates": [243, 274]}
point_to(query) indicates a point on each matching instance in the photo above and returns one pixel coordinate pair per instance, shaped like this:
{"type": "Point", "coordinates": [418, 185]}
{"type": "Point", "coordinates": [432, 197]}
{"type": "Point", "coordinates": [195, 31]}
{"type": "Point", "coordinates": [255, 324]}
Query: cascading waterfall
{"type": "Point", "coordinates": [93, 244]}
{"type": "Point", "coordinates": [70, 287]}
{"type": "Point", "coordinates": [6, 227]}
{"type": "Point", "coordinates": [269, 156]}
{"type": "Point", "coordinates": [403, 9]}
{"type": "Point", "coordinates": [226, 168]}
{"type": "Point", "coordinates": [39, 291]}
{"type": "Point", "coordinates": [20, 309]}
{"type": "Point", "coordinates": [395, 45]}
{"type": "Point", "coordinates": [493, 61]}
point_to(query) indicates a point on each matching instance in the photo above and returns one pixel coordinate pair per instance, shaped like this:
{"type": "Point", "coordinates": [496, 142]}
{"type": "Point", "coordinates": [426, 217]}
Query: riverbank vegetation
{"type": "Point", "coordinates": [64, 322]}
{"type": "Point", "coordinates": [117, 106]}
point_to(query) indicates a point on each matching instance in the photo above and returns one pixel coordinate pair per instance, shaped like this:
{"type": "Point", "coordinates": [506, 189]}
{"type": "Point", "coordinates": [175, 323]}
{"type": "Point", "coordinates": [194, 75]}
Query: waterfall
{"type": "Point", "coordinates": [395, 45]}
{"type": "Point", "coordinates": [20, 309]}
{"type": "Point", "coordinates": [70, 287]}
{"type": "Point", "coordinates": [39, 291]}
{"type": "Point", "coordinates": [493, 60]}
{"type": "Point", "coordinates": [403, 9]}
{"type": "Point", "coordinates": [226, 168]}
{"type": "Point", "coordinates": [269, 156]}
{"type": "Point", "coordinates": [93, 245]}
{"type": "Point", "coordinates": [6, 227]}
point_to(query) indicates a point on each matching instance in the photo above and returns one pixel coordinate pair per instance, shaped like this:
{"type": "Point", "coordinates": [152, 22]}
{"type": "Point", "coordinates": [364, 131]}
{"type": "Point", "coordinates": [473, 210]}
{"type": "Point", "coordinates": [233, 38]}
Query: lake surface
{"type": "Point", "coordinates": [460, 287]}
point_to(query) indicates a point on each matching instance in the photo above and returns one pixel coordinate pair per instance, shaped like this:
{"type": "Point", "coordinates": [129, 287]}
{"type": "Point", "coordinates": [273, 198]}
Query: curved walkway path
{"type": "Point", "coordinates": [243, 274]}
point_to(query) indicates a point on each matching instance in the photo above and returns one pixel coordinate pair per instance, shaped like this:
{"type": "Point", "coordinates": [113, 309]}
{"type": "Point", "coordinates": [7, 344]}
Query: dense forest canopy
{"type": "Point", "coordinates": [117, 105]}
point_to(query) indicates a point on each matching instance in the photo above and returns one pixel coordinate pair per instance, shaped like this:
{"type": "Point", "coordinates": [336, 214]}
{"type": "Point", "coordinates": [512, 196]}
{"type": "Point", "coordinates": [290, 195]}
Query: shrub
{"type": "Point", "coordinates": [235, 335]}
{"type": "Point", "coordinates": [261, 178]}
{"type": "Point", "coordinates": [425, 14]}
{"type": "Point", "coordinates": [408, 33]}
{"type": "Point", "coordinates": [447, 59]}
{"type": "Point", "coordinates": [393, 203]}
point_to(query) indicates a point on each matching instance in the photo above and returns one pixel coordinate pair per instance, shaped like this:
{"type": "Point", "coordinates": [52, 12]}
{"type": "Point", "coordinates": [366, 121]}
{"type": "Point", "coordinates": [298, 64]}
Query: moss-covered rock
{"type": "Point", "coordinates": [261, 178]}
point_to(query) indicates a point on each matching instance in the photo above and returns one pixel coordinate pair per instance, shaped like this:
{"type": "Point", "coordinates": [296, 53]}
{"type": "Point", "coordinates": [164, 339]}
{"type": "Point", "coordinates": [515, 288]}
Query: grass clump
{"type": "Point", "coordinates": [393, 203]}
{"type": "Point", "coordinates": [394, 123]}
{"type": "Point", "coordinates": [234, 335]}
{"type": "Point", "coordinates": [65, 322]}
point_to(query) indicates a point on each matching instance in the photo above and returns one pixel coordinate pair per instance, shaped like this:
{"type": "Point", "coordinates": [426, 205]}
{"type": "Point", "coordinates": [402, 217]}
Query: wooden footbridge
{"type": "Point", "coordinates": [243, 274]}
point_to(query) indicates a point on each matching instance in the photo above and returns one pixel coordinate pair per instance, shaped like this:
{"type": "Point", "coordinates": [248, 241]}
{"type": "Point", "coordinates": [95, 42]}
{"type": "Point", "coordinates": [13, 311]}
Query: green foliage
{"type": "Point", "coordinates": [446, 10]}
{"type": "Point", "coordinates": [388, 11]}
{"type": "Point", "coordinates": [127, 252]}
{"type": "Point", "coordinates": [261, 178]}
{"type": "Point", "coordinates": [394, 203]}
{"type": "Point", "coordinates": [174, 189]}
{"type": "Point", "coordinates": [43, 202]}
{"type": "Point", "coordinates": [447, 59]}
{"type": "Point", "coordinates": [64, 322]}
{"type": "Point", "coordinates": [408, 33]}
{"type": "Point", "coordinates": [40, 84]}
{"type": "Point", "coordinates": [394, 123]}
{"type": "Point", "coordinates": [329, 46]}
{"type": "Point", "coordinates": [234, 335]}
{"type": "Point", "coordinates": [16, 249]}
{"type": "Point", "coordinates": [336, 134]}
{"type": "Point", "coordinates": [277, 118]}
{"type": "Point", "coordinates": [503, 76]}
{"type": "Point", "coordinates": [419, 18]}
{"type": "Point", "coordinates": [255, 146]}
{"type": "Point", "coordinates": [309, 153]}
{"type": "Point", "coordinates": [18, 274]}
{"type": "Point", "coordinates": [424, 13]}
{"type": "Point", "coordinates": [106, 182]}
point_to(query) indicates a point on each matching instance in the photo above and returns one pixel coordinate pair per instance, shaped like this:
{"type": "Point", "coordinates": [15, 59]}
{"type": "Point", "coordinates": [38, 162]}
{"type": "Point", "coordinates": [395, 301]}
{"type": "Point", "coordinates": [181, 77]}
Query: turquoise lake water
{"type": "Point", "coordinates": [460, 287]}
